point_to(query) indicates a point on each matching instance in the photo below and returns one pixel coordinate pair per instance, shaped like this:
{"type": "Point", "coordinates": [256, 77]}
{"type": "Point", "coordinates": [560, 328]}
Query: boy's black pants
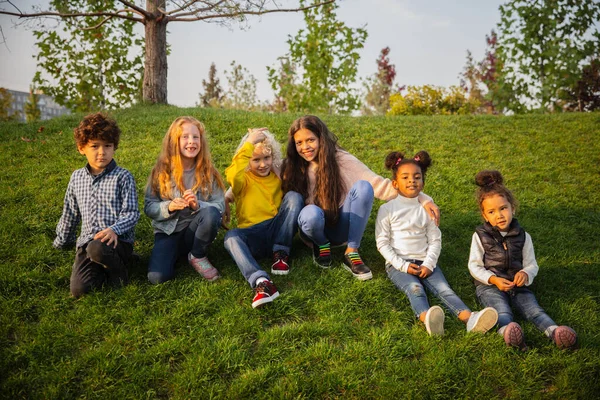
{"type": "Point", "coordinates": [97, 264]}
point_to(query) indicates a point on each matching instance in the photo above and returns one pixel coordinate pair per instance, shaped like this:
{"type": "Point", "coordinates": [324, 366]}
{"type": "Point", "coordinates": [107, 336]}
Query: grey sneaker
{"type": "Point", "coordinates": [204, 267]}
{"type": "Point", "coordinates": [434, 321]}
{"type": "Point", "coordinates": [482, 321]}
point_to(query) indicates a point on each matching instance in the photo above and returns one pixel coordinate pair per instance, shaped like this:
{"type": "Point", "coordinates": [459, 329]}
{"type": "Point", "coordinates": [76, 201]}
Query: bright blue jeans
{"type": "Point", "coordinates": [353, 217]}
{"type": "Point", "coordinates": [521, 298]}
{"type": "Point", "coordinates": [200, 233]}
{"type": "Point", "coordinates": [414, 288]}
{"type": "Point", "coordinates": [260, 240]}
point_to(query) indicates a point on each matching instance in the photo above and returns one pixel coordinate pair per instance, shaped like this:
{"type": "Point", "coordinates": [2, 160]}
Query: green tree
{"type": "Point", "coordinates": [326, 53]}
{"type": "Point", "coordinates": [241, 93]}
{"type": "Point", "coordinates": [213, 93]}
{"type": "Point", "coordinates": [32, 109]}
{"type": "Point", "coordinates": [584, 95]}
{"type": "Point", "coordinates": [5, 103]}
{"type": "Point", "coordinates": [154, 17]}
{"type": "Point", "coordinates": [544, 45]}
{"type": "Point", "coordinates": [88, 69]}
{"type": "Point", "coordinates": [379, 86]}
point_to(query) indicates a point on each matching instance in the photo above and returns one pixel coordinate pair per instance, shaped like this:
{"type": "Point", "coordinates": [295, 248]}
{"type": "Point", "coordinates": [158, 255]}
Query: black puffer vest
{"type": "Point", "coordinates": [503, 254]}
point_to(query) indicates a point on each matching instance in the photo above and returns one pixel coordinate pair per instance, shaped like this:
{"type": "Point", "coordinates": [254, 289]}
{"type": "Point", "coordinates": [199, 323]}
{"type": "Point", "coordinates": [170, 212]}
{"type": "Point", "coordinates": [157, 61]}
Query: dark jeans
{"type": "Point", "coordinates": [196, 238]}
{"type": "Point", "coordinates": [97, 264]}
{"type": "Point", "coordinates": [260, 240]}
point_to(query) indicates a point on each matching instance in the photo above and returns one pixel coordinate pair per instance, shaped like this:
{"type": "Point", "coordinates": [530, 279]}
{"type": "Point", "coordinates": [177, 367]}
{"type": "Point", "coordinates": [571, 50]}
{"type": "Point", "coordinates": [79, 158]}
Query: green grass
{"type": "Point", "coordinates": [327, 335]}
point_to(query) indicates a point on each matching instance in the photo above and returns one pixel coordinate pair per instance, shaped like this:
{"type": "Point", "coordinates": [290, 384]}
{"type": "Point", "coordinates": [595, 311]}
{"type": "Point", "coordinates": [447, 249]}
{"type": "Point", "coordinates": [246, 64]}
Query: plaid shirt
{"type": "Point", "coordinates": [108, 200]}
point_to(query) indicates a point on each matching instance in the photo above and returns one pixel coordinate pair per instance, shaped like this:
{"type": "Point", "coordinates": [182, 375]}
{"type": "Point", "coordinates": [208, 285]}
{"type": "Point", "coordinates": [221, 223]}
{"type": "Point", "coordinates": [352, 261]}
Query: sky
{"type": "Point", "coordinates": [428, 41]}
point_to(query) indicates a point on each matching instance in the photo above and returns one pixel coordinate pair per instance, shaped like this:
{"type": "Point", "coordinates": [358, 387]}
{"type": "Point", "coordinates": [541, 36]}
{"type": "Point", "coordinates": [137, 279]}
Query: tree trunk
{"type": "Point", "coordinates": [155, 63]}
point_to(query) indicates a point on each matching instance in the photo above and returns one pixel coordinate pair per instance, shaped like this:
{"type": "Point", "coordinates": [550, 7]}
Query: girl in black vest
{"type": "Point", "coordinates": [502, 261]}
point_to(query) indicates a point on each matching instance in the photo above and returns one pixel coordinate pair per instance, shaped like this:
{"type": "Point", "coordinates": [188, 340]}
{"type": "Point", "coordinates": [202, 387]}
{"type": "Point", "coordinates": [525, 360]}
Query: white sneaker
{"type": "Point", "coordinates": [482, 321]}
{"type": "Point", "coordinates": [434, 321]}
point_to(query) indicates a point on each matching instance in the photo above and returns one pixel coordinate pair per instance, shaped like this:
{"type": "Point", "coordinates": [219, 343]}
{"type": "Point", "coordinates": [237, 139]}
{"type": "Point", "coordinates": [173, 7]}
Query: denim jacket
{"type": "Point", "coordinates": [164, 221]}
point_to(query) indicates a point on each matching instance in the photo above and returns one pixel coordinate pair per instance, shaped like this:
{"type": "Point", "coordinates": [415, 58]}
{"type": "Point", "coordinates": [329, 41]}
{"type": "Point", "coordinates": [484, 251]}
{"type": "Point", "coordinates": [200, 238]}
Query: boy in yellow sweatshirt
{"type": "Point", "coordinates": [267, 221]}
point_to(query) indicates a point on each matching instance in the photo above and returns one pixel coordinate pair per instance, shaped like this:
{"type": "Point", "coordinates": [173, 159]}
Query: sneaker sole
{"type": "Point", "coordinates": [486, 321]}
{"type": "Point", "coordinates": [320, 265]}
{"type": "Point", "coordinates": [434, 321]}
{"type": "Point", "coordinates": [214, 278]}
{"type": "Point", "coordinates": [513, 336]}
{"type": "Point", "coordinates": [279, 272]}
{"type": "Point", "coordinates": [565, 338]}
{"type": "Point", "coordinates": [360, 277]}
{"type": "Point", "coordinates": [265, 300]}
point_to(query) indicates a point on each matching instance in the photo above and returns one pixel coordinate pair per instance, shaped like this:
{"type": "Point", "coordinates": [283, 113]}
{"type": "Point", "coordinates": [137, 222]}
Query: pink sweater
{"type": "Point", "coordinates": [353, 170]}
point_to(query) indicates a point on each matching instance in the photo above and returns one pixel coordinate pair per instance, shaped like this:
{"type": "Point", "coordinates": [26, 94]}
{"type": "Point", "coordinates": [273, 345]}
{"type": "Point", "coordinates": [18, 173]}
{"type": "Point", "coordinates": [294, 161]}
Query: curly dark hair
{"type": "Point", "coordinates": [395, 159]}
{"type": "Point", "coordinates": [97, 126]}
{"type": "Point", "coordinates": [491, 183]}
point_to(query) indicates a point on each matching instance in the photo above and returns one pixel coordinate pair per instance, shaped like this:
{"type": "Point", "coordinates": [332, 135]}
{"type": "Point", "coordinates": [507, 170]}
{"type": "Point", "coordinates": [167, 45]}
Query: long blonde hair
{"type": "Point", "coordinates": [168, 170]}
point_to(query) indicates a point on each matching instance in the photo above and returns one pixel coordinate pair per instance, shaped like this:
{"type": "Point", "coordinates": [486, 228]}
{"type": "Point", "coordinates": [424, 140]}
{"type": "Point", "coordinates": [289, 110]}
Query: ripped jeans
{"type": "Point", "coordinates": [414, 288]}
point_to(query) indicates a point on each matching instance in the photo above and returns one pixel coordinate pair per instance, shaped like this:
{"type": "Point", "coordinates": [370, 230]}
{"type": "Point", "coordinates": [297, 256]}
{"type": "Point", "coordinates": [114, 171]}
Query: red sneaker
{"type": "Point", "coordinates": [266, 292]}
{"type": "Point", "coordinates": [514, 337]}
{"type": "Point", "coordinates": [280, 265]}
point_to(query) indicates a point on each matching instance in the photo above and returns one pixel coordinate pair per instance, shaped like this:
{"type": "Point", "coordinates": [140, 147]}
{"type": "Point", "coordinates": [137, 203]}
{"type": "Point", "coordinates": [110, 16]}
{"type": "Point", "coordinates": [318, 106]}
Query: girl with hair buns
{"type": "Point", "coordinates": [184, 198]}
{"type": "Point", "coordinates": [411, 243]}
{"type": "Point", "coordinates": [338, 190]}
{"type": "Point", "coordinates": [502, 261]}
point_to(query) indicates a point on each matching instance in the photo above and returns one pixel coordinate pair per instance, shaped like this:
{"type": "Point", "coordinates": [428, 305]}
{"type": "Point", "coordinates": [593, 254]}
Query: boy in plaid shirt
{"type": "Point", "coordinates": [103, 197]}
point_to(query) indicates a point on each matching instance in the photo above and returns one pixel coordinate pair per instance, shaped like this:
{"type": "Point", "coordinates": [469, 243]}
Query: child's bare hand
{"type": "Point", "coordinates": [503, 284]}
{"type": "Point", "coordinates": [521, 278]}
{"type": "Point", "coordinates": [177, 204]}
{"type": "Point", "coordinates": [191, 199]}
{"type": "Point", "coordinates": [256, 135]}
{"type": "Point", "coordinates": [413, 269]}
{"type": "Point", "coordinates": [107, 236]}
{"type": "Point", "coordinates": [424, 272]}
{"type": "Point", "coordinates": [433, 211]}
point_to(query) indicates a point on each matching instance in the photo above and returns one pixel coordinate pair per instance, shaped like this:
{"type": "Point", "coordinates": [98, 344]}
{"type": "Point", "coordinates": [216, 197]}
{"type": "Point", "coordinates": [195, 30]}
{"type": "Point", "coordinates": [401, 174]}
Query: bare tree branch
{"type": "Point", "coordinates": [141, 11]}
{"type": "Point", "coordinates": [194, 12]}
{"type": "Point", "coordinates": [244, 12]}
{"type": "Point", "coordinates": [70, 15]}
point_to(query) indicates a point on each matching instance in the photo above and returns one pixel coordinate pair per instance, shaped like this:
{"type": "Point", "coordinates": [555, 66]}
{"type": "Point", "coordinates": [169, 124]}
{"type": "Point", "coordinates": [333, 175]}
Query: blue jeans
{"type": "Point", "coordinates": [352, 221]}
{"type": "Point", "coordinates": [521, 298]}
{"type": "Point", "coordinates": [244, 244]}
{"type": "Point", "coordinates": [414, 288]}
{"type": "Point", "coordinates": [201, 232]}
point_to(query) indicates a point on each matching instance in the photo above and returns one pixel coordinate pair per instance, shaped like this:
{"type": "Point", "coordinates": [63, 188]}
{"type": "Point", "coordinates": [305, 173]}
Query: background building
{"type": "Point", "coordinates": [48, 107]}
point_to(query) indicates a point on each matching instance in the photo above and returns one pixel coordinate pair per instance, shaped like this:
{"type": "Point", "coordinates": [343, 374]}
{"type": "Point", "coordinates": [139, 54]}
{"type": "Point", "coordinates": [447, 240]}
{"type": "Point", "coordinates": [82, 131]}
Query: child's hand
{"type": "Point", "coordinates": [177, 204]}
{"type": "Point", "coordinates": [256, 135]}
{"type": "Point", "coordinates": [424, 272]}
{"type": "Point", "coordinates": [191, 199]}
{"type": "Point", "coordinates": [107, 236]}
{"type": "Point", "coordinates": [226, 214]}
{"type": "Point", "coordinates": [433, 211]}
{"type": "Point", "coordinates": [413, 269]}
{"type": "Point", "coordinates": [503, 284]}
{"type": "Point", "coordinates": [521, 278]}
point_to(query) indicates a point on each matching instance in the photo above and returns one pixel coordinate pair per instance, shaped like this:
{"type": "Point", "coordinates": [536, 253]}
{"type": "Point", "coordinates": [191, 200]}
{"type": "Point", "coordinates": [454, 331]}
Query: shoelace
{"type": "Point", "coordinates": [355, 258]}
{"type": "Point", "coordinates": [279, 256]}
{"type": "Point", "coordinates": [325, 250]}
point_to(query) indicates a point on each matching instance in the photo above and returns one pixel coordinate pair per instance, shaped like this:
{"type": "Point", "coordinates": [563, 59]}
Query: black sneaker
{"type": "Point", "coordinates": [322, 255]}
{"type": "Point", "coordinates": [354, 264]}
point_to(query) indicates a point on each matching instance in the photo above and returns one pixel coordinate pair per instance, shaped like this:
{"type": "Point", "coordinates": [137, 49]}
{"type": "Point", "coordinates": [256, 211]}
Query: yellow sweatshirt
{"type": "Point", "coordinates": [257, 198]}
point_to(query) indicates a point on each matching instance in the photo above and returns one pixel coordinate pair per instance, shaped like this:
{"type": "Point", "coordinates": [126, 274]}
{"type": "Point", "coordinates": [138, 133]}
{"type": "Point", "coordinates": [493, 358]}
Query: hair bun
{"type": "Point", "coordinates": [489, 178]}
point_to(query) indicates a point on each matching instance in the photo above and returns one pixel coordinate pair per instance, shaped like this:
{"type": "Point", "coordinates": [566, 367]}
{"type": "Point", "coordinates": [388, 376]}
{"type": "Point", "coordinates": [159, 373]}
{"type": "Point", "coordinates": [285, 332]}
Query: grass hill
{"type": "Point", "coordinates": [327, 335]}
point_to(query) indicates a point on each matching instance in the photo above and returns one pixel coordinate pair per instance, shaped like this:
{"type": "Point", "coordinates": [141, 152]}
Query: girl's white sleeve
{"type": "Point", "coordinates": [530, 265]}
{"type": "Point", "coordinates": [383, 237]}
{"type": "Point", "coordinates": [434, 245]}
{"type": "Point", "coordinates": [476, 268]}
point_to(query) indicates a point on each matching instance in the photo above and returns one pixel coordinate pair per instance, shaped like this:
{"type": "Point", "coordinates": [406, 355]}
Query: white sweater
{"type": "Point", "coordinates": [404, 231]}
